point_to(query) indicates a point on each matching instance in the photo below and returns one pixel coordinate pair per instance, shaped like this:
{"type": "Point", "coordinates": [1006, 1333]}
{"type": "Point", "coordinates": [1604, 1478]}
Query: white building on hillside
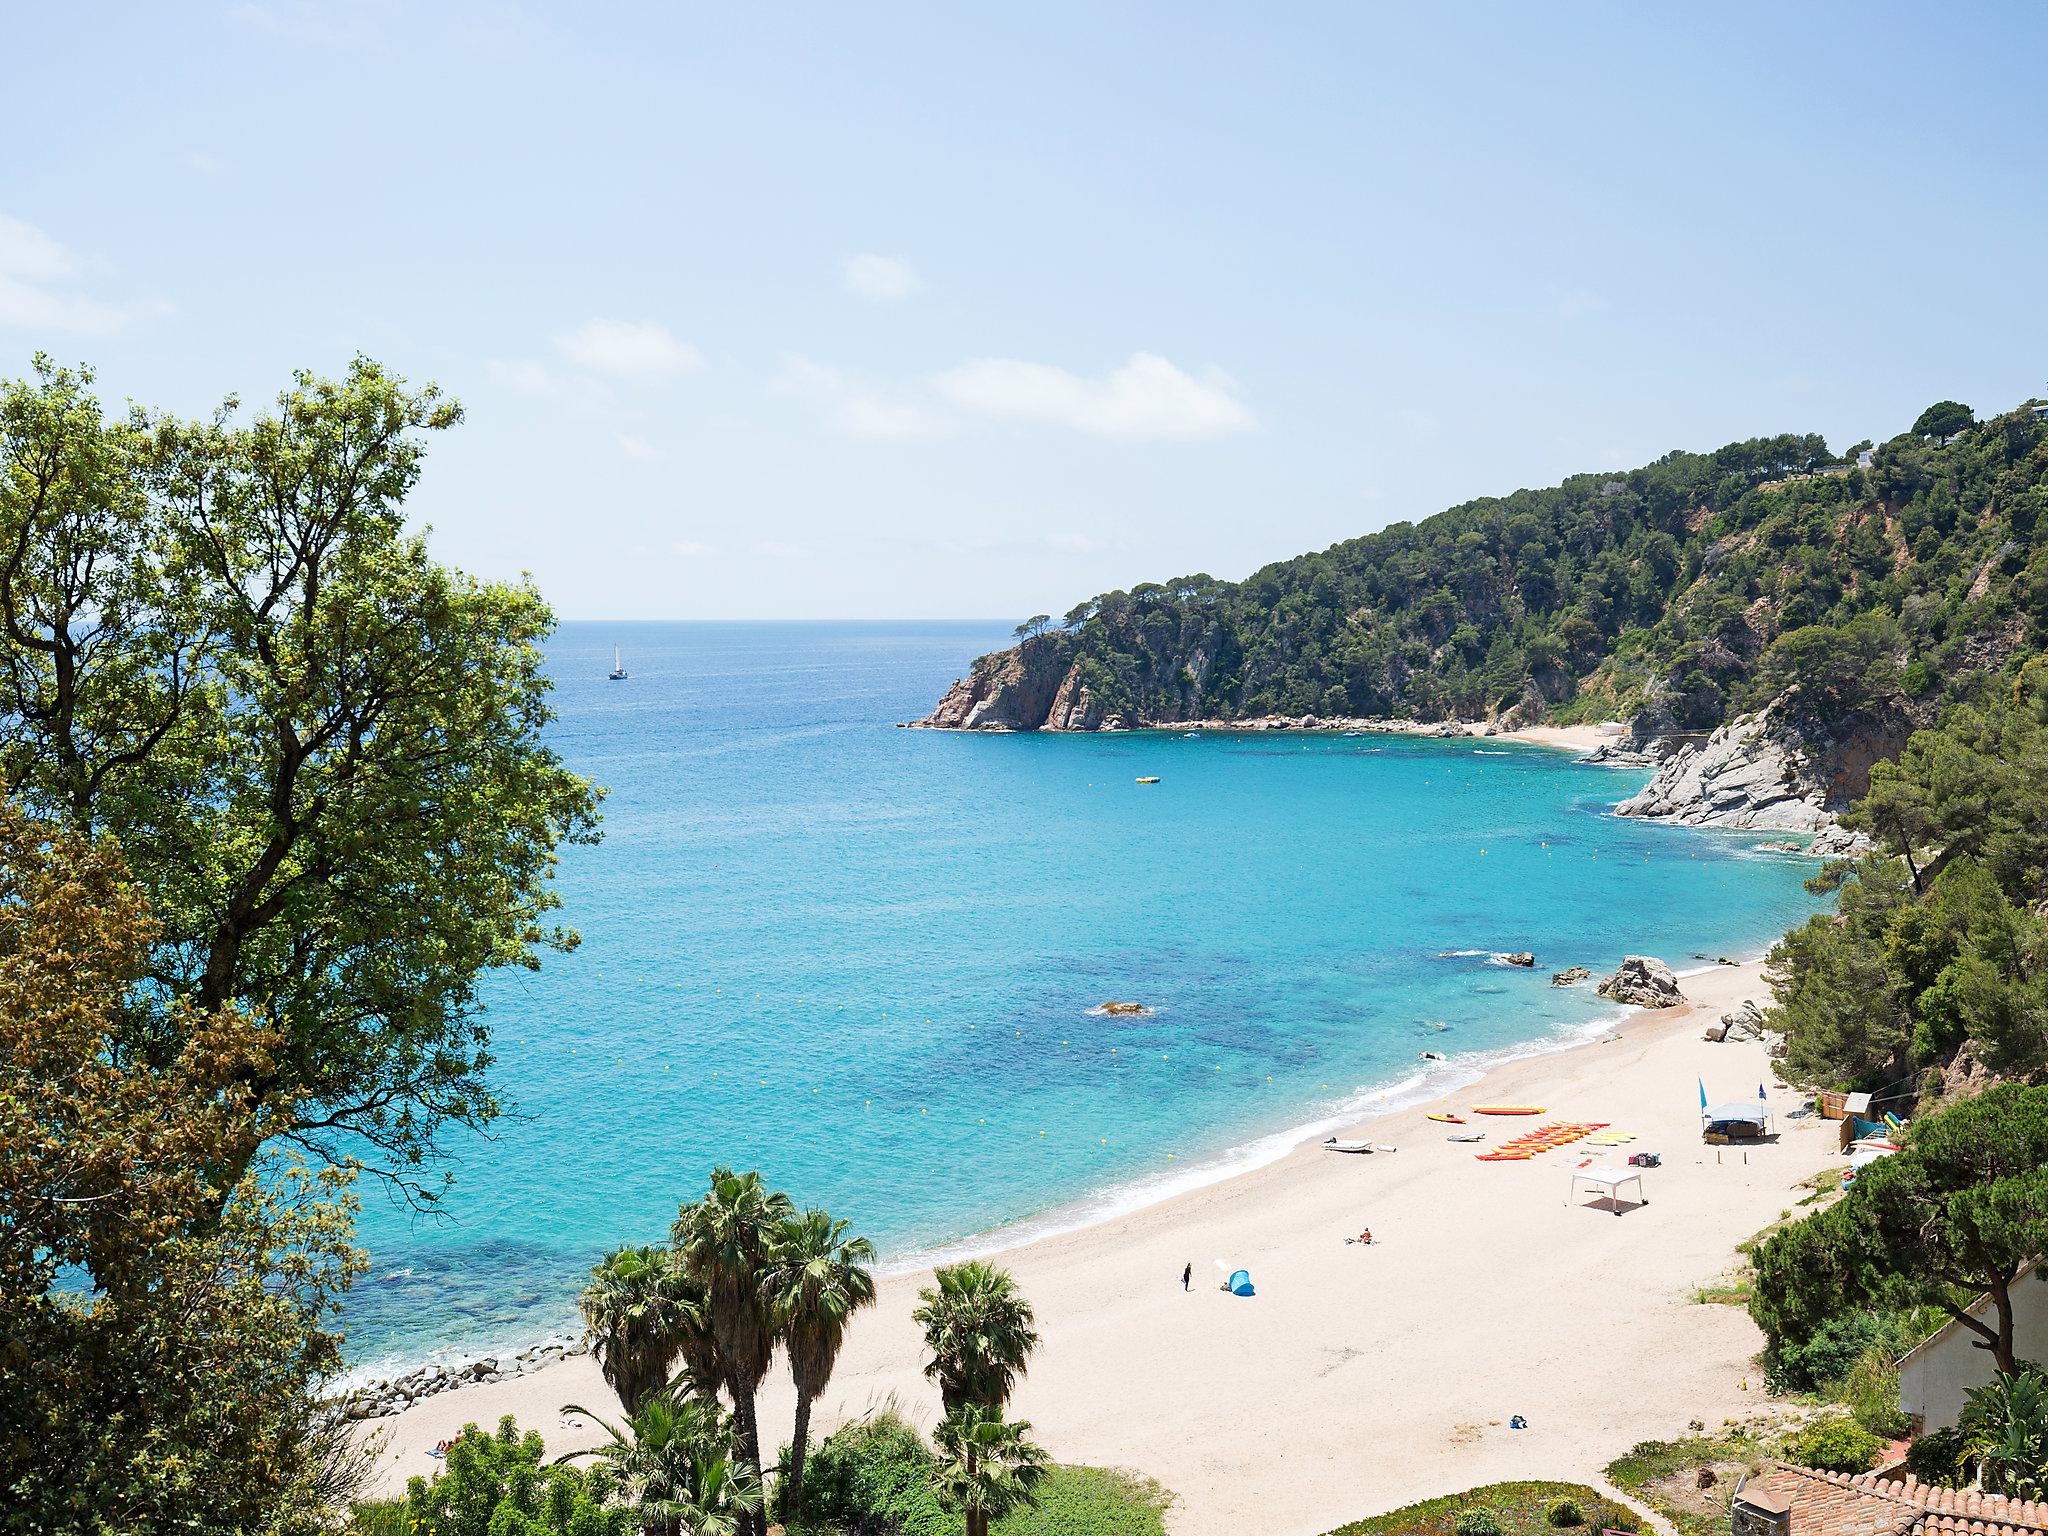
{"type": "Point", "coordinates": [1934, 1377]}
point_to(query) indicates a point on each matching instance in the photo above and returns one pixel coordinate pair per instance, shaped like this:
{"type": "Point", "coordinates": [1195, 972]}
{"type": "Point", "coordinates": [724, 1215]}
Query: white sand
{"type": "Point", "coordinates": [1359, 1379]}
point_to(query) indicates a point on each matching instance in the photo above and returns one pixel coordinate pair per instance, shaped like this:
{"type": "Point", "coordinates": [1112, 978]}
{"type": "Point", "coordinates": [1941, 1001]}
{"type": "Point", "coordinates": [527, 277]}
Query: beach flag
{"type": "Point", "coordinates": [1703, 1095]}
{"type": "Point", "coordinates": [1761, 1094]}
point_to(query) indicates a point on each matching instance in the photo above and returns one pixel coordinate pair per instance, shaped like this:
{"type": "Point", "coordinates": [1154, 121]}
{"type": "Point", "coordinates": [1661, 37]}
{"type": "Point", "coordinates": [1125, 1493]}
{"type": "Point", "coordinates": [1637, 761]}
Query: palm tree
{"type": "Point", "coordinates": [987, 1467]}
{"type": "Point", "coordinates": [729, 1239]}
{"type": "Point", "coordinates": [977, 1325]}
{"type": "Point", "coordinates": [819, 1281]}
{"type": "Point", "coordinates": [671, 1461]}
{"type": "Point", "coordinates": [632, 1316]}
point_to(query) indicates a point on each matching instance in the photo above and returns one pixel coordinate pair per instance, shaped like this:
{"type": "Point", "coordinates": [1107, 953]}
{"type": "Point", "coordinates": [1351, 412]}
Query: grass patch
{"type": "Point", "coordinates": [1520, 1509]}
{"type": "Point", "coordinates": [1690, 1481]}
{"type": "Point", "coordinates": [1091, 1501]}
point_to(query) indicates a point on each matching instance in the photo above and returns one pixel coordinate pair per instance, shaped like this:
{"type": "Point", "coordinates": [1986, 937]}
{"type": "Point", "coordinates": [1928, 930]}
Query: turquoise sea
{"type": "Point", "coordinates": [863, 959]}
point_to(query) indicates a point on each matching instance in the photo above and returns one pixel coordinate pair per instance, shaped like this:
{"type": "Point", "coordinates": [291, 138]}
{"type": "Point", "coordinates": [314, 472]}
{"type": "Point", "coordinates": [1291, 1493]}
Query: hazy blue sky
{"type": "Point", "coordinates": [974, 310]}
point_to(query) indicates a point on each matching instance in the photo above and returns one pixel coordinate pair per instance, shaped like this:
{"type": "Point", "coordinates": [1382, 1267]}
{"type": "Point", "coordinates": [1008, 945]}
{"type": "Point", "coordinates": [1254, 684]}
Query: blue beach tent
{"type": "Point", "coordinates": [1241, 1283]}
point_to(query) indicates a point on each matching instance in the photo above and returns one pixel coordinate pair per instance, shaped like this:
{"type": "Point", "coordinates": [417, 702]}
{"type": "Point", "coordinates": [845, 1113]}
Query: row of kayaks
{"type": "Point", "coordinates": [1542, 1139]}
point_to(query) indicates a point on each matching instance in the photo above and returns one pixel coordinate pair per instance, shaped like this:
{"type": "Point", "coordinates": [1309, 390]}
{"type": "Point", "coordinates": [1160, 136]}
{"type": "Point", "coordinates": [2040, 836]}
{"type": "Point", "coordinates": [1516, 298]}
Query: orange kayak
{"type": "Point", "coordinates": [1507, 1109]}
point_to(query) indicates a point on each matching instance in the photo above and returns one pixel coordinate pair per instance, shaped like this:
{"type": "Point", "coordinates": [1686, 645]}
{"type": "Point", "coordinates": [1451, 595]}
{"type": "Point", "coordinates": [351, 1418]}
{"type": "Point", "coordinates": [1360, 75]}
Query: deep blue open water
{"type": "Point", "coordinates": [863, 959]}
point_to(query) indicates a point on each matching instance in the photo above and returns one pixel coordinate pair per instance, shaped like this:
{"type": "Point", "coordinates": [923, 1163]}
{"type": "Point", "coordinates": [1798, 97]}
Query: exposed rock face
{"type": "Point", "coordinates": [1839, 843]}
{"type": "Point", "coordinates": [1570, 976]}
{"type": "Point", "coordinates": [1018, 690]}
{"type": "Point", "coordinates": [1643, 982]}
{"type": "Point", "coordinates": [1745, 775]}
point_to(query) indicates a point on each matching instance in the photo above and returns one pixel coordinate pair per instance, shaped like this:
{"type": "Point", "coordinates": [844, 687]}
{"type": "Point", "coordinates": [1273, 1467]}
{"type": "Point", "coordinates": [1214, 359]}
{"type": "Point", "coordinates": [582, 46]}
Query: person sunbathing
{"type": "Point", "coordinates": [1364, 1237]}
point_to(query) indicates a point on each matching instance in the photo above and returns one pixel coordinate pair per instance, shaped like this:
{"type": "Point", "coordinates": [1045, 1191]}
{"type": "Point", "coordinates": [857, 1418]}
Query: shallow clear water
{"type": "Point", "coordinates": [862, 959]}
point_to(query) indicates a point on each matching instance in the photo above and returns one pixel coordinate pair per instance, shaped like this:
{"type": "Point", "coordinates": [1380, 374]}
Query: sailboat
{"type": "Point", "coordinates": [618, 672]}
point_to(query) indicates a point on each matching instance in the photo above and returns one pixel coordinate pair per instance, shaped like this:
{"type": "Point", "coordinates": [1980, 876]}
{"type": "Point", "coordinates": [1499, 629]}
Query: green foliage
{"type": "Point", "coordinates": [1955, 1215]}
{"type": "Point", "coordinates": [1817, 1361]}
{"type": "Point", "coordinates": [1477, 1521]}
{"type": "Point", "coordinates": [1834, 1444]}
{"type": "Point", "coordinates": [1688, 589]}
{"type": "Point", "coordinates": [978, 1327]}
{"type": "Point", "coordinates": [672, 1464]}
{"type": "Point", "coordinates": [1664, 1474]}
{"type": "Point", "coordinates": [874, 1475]}
{"type": "Point", "coordinates": [1089, 1501]}
{"type": "Point", "coordinates": [320, 750]}
{"type": "Point", "coordinates": [1942, 1459]}
{"type": "Point", "coordinates": [1514, 1509]}
{"type": "Point", "coordinates": [2004, 1432]}
{"type": "Point", "coordinates": [1564, 1513]}
{"type": "Point", "coordinates": [1940, 940]}
{"type": "Point", "coordinates": [987, 1466]}
{"type": "Point", "coordinates": [1871, 1390]}
{"type": "Point", "coordinates": [1944, 418]}
{"type": "Point", "coordinates": [497, 1485]}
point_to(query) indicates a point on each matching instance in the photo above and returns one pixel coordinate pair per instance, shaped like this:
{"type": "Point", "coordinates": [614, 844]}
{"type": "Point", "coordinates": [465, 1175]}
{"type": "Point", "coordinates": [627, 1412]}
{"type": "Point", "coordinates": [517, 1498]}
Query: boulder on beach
{"type": "Point", "coordinates": [1643, 981]}
{"type": "Point", "coordinates": [1570, 976]}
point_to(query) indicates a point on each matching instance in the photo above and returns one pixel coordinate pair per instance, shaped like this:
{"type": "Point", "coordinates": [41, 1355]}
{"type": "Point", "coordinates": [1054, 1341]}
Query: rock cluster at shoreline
{"type": "Point", "coordinates": [1643, 981]}
{"type": "Point", "coordinates": [382, 1399]}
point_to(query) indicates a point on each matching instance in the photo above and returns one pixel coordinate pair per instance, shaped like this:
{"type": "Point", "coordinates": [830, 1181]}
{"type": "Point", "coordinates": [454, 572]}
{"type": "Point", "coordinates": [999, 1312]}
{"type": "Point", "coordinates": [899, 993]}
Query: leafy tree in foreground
{"type": "Point", "coordinates": [1956, 1215]}
{"type": "Point", "coordinates": [498, 1485]}
{"type": "Point", "coordinates": [173, 1388]}
{"type": "Point", "coordinates": [977, 1326]}
{"type": "Point", "coordinates": [730, 1239]}
{"type": "Point", "coordinates": [319, 750]}
{"type": "Point", "coordinates": [820, 1279]}
{"type": "Point", "coordinates": [987, 1467]}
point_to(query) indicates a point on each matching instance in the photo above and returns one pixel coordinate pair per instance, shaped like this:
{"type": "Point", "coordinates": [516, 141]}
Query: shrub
{"type": "Point", "coordinates": [1477, 1521]}
{"type": "Point", "coordinates": [1871, 1390]}
{"type": "Point", "coordinates": [496, 1483]}
{"type": "Point", "coordinates": [1941, 1458]}
{"type": "Point", "coordinates": [1828, 1354]}
{"type": "Point", "coordinates": [1565, 1512]}
{"type": "Point", "coordinates": [874, 1475]}
{"type": "Point", "coordinates": [1834, 1444]}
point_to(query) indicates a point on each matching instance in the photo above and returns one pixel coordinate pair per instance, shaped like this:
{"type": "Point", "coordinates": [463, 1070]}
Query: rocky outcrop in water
{"type": "Point", "coordinates": [1643, 981]}
{"type": "Point", "coordinates": [1570, 976]}
{"type": "Point", "coordinates": [381, 1399]}
{"type": "Point", "coordinates": [1031, 687]}
{"type": "Point", "coordinates": [1520, 957]}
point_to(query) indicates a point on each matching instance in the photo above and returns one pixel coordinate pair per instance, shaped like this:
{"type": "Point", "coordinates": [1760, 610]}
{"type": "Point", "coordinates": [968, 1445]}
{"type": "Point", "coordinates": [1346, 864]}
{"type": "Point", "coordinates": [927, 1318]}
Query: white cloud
{"type": "Point", "coordinates": [1146, 396]}
{"type": "Point", "coordinates": [855, 410]}
{"type": "Point", "coordinates": [639, 449]}
{"type": "Point", "coordinates": [34, 273]}
{"type": "Point", "coordinates": [621, 347]}
{"type": "Point", "coordinates": [882, 279]}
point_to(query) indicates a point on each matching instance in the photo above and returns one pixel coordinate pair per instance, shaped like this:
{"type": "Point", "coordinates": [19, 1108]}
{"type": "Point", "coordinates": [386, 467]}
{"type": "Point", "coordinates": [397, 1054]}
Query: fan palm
{"type": "Point", "coordinates": [987, 1467]}
{"type": "Point", "coordinates": [632, 1311]}
{"type": "Point", "coordinates": [977, 1325]}
{"type": "Point", "coordinates": [819, 1281]}
{"type": "Point", "coordinates": [672, 1464]}
{"type": "Point", "coordinates": [729, 1240]}
{"type": "Point", "coordinates": [2004, 1428]}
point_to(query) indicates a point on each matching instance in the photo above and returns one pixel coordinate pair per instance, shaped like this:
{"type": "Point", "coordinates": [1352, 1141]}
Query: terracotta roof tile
{"type": "Point", "coordinates": [1835, 1504]}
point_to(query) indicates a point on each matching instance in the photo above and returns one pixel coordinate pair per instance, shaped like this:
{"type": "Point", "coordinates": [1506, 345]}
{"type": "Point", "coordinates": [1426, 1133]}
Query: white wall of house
{"type": "Point", "coordinates": [1934, 1377]}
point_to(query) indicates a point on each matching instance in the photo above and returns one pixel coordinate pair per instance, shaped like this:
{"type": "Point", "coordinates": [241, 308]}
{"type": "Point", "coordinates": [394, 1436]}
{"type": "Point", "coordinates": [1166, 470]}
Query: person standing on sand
{"type": "Point", "coordinates": [1187, 1276]}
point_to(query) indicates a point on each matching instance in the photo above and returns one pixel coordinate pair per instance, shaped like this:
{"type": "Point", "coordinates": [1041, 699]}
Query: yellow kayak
{"type": "Point", "coordinates": [1153, 780]}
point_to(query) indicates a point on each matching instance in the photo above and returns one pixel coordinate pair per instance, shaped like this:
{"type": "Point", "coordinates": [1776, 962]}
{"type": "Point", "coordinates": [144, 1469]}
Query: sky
{"type": "Point", "coordinates": [903, 311]}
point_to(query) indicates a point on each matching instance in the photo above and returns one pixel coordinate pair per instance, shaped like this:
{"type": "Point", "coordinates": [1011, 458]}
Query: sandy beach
{"type": "Point", "coordinates": [1360, 1378]}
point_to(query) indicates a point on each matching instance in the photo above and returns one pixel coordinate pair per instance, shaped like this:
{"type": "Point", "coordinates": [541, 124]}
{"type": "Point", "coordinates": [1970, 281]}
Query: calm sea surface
{"type": "Point", "coordinates": [863, 959]}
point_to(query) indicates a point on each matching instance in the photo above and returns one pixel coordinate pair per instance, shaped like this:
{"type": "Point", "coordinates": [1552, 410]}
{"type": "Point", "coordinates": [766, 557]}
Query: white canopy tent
{"type": "Point", "coordinates": [1610, 1179]}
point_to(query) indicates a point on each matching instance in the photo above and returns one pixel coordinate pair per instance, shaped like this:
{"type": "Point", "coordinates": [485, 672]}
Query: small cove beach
{"type": "Point", "coordinates": [1359, 1378]}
